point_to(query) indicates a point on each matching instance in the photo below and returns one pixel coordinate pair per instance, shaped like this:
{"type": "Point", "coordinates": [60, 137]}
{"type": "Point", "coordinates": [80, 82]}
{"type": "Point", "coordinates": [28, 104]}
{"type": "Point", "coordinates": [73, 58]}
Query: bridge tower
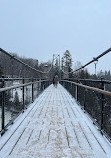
{"type": "Point", "coordinates": [56, 65]}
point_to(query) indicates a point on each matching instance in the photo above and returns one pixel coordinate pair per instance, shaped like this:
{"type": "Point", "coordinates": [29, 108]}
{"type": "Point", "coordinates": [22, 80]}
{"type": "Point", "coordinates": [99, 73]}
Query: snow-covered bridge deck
{"type": "Point", "coordinates": [54, 126]}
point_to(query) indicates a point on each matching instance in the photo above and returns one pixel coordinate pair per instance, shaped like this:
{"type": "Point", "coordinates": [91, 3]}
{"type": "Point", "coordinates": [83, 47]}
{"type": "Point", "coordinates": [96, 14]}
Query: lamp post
{"type": "Point", "coordinates": [95, 63]}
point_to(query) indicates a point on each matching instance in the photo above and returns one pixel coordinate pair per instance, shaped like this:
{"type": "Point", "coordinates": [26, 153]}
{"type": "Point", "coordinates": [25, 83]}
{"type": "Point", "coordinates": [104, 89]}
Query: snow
{"type": "Point", "coordinates": [54, 126]}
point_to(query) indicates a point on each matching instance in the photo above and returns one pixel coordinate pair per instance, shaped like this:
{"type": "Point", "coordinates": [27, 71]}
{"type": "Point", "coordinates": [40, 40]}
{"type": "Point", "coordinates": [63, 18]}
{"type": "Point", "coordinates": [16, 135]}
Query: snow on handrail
{"type": "Point", "coordinates": [89, 87]}
{"type": "Point", "coordinates": [20, 85]}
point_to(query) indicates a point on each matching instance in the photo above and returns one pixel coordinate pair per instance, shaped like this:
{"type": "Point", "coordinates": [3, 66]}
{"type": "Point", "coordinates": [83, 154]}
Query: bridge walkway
{"type": "Point", "coordinates": [54, 126]}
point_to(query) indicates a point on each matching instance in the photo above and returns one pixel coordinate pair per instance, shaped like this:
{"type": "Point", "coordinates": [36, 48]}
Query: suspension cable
{"type": "Point", "coordinates": [94, 59]}
{"type": "Point", "coordinates": [20, 61]}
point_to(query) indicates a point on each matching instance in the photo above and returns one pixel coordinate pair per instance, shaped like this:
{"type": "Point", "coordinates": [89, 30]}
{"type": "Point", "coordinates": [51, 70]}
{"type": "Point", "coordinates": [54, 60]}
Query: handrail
{"type": "Point", "coordinates": [11, 79]}
{"type": "Point", "coordinates": [97, 105]}
{"type": "Point", "coordinates": [20, 85]}
{"type": "Point", "coordinates": [16, 102]}
{"type": "Point", "coordinates": [104, 81]}
{"type": "Point", "coordinates": [89, 87]}
{"type": "Point", "coordinates": [90, 80]}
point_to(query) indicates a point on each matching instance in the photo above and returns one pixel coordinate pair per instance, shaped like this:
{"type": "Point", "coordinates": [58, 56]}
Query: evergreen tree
{"type": "Point", "coordinates": [84, 74]}
{"type": "Point", "coordinates": [67, 64]}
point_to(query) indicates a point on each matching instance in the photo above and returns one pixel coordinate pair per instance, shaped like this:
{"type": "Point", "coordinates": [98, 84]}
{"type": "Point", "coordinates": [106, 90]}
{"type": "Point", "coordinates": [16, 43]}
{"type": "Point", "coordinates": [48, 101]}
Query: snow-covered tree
{"type": "Point", "coordinates": [67, 64]}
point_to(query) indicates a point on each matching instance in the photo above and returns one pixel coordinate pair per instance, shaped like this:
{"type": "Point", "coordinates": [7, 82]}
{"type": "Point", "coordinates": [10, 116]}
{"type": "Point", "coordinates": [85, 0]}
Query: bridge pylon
{"type": "Point", "coordinates": [56, 65]}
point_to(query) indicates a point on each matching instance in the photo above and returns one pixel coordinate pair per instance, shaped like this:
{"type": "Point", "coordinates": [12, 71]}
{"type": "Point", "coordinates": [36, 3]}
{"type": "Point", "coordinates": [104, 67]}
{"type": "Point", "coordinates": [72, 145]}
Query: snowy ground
{"type": "Point", "coordinates": [54, 126]}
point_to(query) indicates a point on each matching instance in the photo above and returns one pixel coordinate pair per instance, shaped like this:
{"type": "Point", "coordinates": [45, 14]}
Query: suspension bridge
{"type": "Point", "coordinates": [72, 120]}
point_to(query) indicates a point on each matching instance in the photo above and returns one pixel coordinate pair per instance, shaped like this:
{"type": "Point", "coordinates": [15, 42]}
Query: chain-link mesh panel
{"type": "Point", "coordinates": [13, 101]}
{"type": "Point", "coordinates": [91, 83]}
{"type": "Point", "coordinates": [8, 109]}
{"type": "Point", "coordinates": [107, 87]}
{"type": "Point", "coordinates": [28, 95]}
{"type": "Point", "coordinates": [107, 115]}
{"type": "Point", "coordinates": [96, 104]}
{"type": "Point", "coordinates": [81, 94]}
{"type": "Point", "coordinates": [93, 104]}
{"type": "Point", "coordinates": [35, 90]}
{"type": "Point", "coordinates": [0, 111]}
{"type": "Point", "coordinates": [13, 104]}
{"type": "Point", "coordinates": [72, 90]}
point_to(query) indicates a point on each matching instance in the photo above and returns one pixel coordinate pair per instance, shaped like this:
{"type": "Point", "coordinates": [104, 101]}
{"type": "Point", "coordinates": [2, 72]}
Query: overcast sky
{"type": "Point", "coordinates": [41, 28]}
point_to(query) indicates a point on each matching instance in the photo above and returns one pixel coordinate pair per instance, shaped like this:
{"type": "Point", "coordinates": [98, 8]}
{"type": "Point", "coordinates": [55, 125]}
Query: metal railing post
{"type": "Point", "coordinates": [77, 91]}
{"type": "Point", "coordinates": [85, 90]}
{"type": "Point", "coordinates": [32, 91]}
{"type": "Point", "coordinates": [23, 95]}
{"type": "Point", "coordinates": [3, 105]}
{"type": "Point", "coordinates": [71, 88]}
{"type": "Point", "coordinates": [39, 87]}
{"type": "Point", "coordinates": [42, 86]}
{"type": "Point", "coordinates": [85, 98]}
{"type": "Point", "coordinates": [102, 104]}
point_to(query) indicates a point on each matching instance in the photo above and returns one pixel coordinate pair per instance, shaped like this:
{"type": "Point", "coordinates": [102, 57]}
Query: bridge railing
{"type": "Point", "coordinates": [15, 99]}
{"type": "Point", "coordinates": [95, 98]}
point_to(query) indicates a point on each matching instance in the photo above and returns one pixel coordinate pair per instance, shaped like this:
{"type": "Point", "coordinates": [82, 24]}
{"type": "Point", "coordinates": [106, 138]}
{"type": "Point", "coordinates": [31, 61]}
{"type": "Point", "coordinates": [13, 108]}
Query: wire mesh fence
{"type": "Point", "coordinates": [15, 99]}
{"type": "Point", "coordinates": [97, 104]}
{"type": "Point", "coordinates": [0, 110]}
{"type": "Point", "coordinates": [36, 90]}
{"type": "Point", "coordinates": [20, 84]}
{"type": "Point", "coordinates": [107, 114]}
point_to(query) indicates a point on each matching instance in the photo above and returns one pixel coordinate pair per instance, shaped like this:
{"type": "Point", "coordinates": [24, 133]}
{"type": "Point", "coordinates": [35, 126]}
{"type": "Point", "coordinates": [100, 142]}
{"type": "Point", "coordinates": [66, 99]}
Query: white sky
{"type": "Point", "coordinates": [41, 28]}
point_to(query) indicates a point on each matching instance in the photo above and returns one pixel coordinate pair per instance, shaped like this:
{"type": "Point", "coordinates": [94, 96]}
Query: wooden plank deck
{"type": "Point", "coordinates": [54, 126]}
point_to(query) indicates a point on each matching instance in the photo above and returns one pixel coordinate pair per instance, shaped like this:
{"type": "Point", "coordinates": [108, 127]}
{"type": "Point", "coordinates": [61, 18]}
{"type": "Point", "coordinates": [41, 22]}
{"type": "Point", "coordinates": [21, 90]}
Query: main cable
{"type": "Point", "coordinates": [20, 61]}
{"type": "Point", "coordinates": [94, 59]}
